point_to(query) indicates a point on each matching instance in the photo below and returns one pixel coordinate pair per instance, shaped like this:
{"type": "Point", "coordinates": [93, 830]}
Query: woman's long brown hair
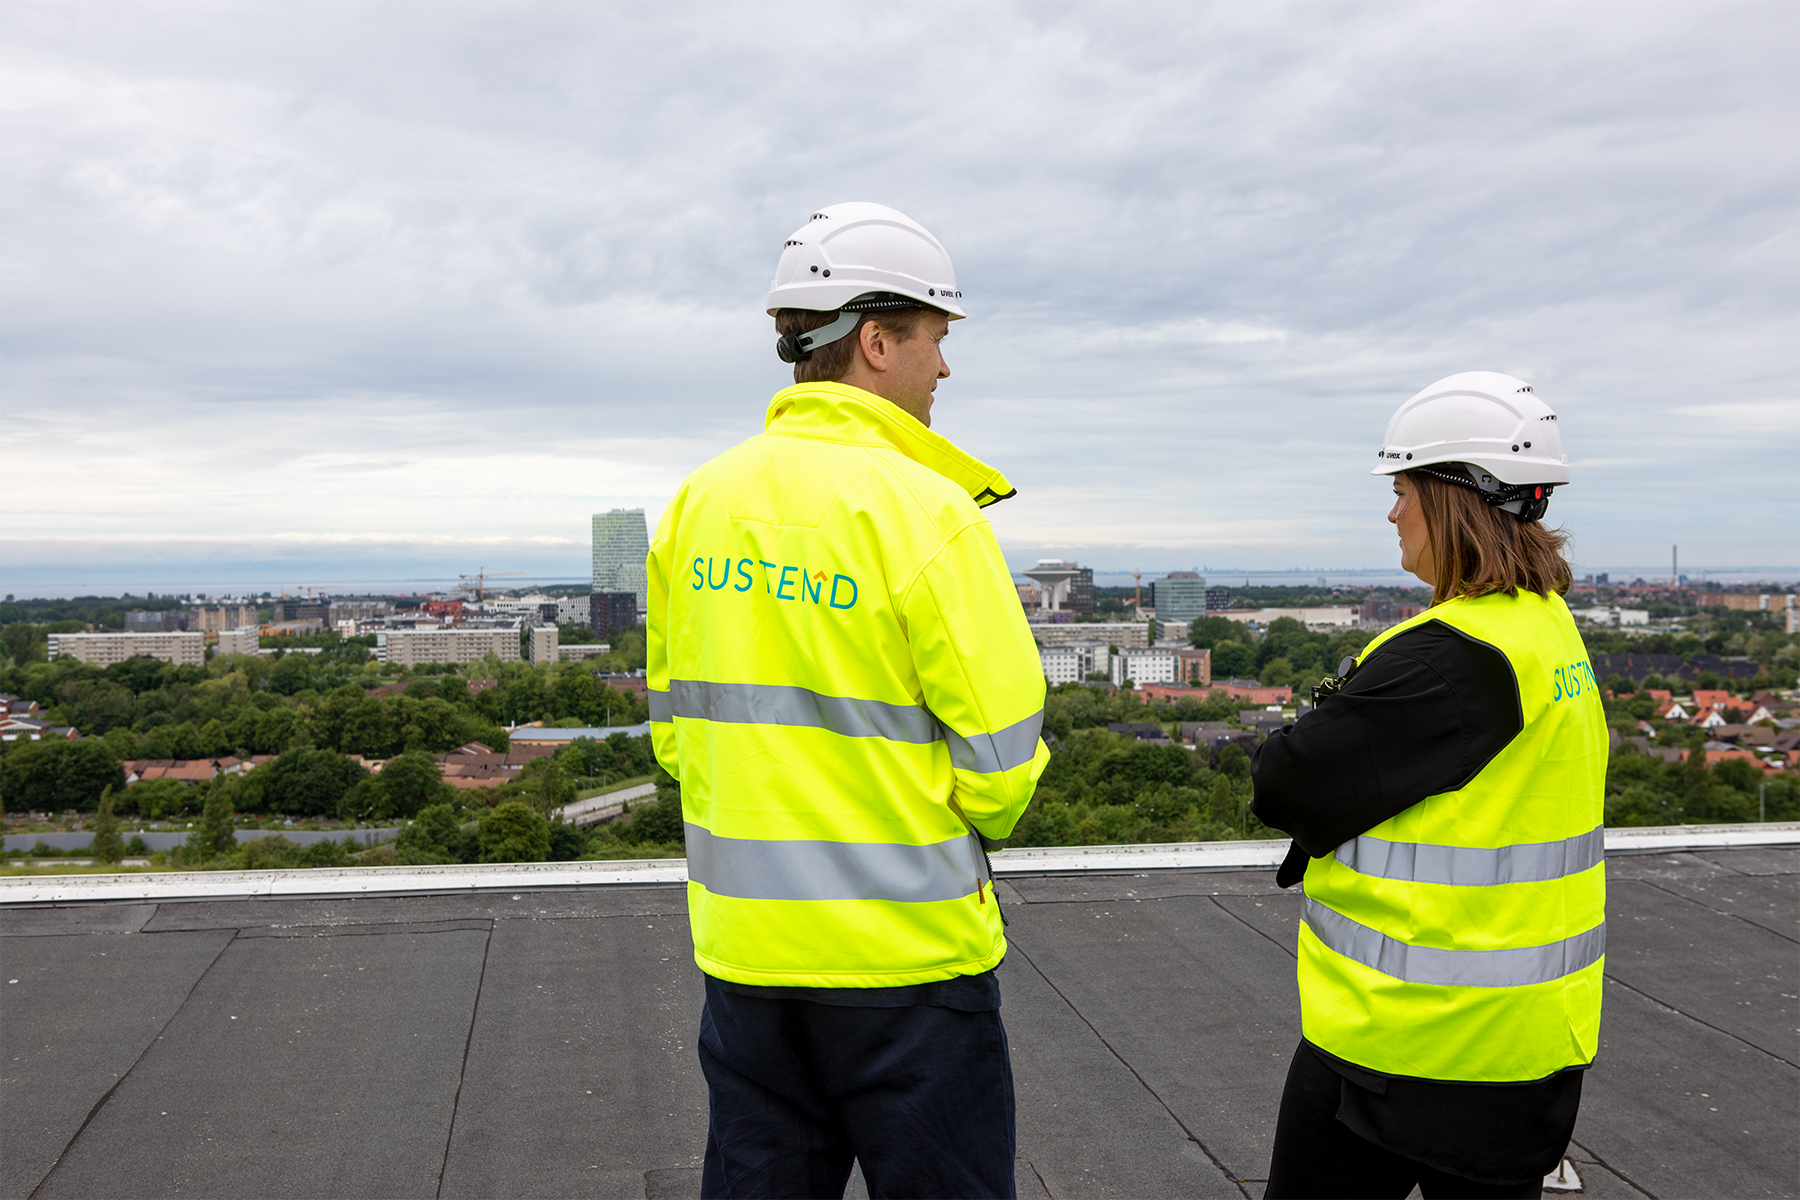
{"type": "Point", "coordinates": [1482, 549]}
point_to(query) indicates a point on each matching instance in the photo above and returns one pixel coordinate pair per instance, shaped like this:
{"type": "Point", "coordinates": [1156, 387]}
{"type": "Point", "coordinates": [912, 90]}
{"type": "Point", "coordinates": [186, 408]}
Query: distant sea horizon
{"type": "Point", "coordinates": [208, 585]}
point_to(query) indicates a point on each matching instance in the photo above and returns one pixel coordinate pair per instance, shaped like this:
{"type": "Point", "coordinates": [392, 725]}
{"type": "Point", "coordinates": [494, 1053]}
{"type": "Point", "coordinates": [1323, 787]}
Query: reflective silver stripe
{"type": "Point", "coordinates": [778, 704]}
{"type": "Point", "coordinates": [990, 753]}
{"type": "Point", "coordinates": [1454, 968]}
{"type": "Point", "coordinates": [781, 704]}
{"type": "Point", "coordinates": [1469, 866]}
{"type": "Point", "coordinates": [808, 870]}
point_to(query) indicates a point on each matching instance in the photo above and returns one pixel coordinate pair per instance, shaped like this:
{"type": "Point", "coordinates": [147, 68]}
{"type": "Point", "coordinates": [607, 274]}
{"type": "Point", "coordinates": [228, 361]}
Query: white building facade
{"type": "Point", "coordinates": [410, 647]}
{"type": "Point", "coordinates": [1119, 633]}
{"type": "Point", "coordinates": [245, 639]}
{"type": "Point", "coordinates": [1145, 664]}
{"type": "Point", "coordinates": [104, 649]}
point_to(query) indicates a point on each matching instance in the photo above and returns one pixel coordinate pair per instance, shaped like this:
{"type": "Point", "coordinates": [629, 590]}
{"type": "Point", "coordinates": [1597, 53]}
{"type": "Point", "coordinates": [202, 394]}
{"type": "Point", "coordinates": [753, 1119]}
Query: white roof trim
{"type": "Point", "coordinates": [347, 882]}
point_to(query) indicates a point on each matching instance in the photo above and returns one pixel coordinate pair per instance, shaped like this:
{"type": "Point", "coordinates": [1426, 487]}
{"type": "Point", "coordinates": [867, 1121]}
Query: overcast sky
{"type": "Point", "coordinates": [373, 291]}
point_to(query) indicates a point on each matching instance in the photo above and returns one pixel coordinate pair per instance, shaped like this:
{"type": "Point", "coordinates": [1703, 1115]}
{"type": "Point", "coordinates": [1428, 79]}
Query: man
{"type": "Point", "coordinates": [842, 679]}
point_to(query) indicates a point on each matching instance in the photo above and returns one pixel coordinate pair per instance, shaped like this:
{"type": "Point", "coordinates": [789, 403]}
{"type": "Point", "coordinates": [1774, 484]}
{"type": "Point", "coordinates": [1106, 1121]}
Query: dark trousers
{"type": "Point", "coordinates": [921, 1096]}
{"type": "Point", "coordinates": [1316, 1155]}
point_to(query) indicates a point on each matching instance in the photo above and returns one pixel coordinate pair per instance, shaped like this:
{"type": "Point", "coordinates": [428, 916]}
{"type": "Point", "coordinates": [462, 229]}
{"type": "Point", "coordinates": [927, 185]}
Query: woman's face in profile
{"type": "Point", "coordinates": [1408, 516]}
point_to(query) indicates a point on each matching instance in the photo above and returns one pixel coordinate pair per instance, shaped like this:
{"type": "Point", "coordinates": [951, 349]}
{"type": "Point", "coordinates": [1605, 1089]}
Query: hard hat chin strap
{"type": "Point", "coordinates": [797, 347]}
{"type": "Point", "coordinates": [1526, 501]}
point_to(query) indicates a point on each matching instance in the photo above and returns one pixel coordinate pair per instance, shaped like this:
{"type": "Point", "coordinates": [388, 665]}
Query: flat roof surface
{"type": "Point", "coordinates": [542, 1043]}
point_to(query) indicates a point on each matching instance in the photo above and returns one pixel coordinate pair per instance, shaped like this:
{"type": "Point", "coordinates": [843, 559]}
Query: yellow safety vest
{"type": "Point", "coordinates": [842, 679]}
{"type": "Point", "coordinates": [1465, 938]}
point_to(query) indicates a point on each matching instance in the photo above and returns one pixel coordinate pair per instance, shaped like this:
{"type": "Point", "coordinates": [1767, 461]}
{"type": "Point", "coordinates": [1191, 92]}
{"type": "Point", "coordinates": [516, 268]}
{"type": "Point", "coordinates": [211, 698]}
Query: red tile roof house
{"type": "Point", "coordinates": [195, 770]}
{"type": "Point", "coordinates": [1714, 698]}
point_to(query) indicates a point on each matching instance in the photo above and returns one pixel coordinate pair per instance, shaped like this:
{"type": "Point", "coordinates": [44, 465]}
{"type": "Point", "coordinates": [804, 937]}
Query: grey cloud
{"type": "Point", "coordinates": [1207, 248]}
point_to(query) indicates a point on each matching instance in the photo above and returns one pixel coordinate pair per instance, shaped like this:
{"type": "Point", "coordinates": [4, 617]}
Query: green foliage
{"type": "Point", "coordinates": [512, 832]}
{"type": "Point", "coordinates": [658, 821]}
{"type": "Point", "coordinates": [56, 775]}
{"type": "Point", "coordinates": [1233, 660]}
{"type": "Point", "coordinates": [1234, 763]}
{"type": "Point", "coordinates": [546, 784]}
{"type": "Point", "coordinates": [404, 787]}
{"type": "Point", "coordinates": [215, 837]}
{"type": "Point", "coordinates": [157, 799]}
{"type": "Point", "coordinates": [273, 852]}
{"type": "Point", "coordinates": [1641, 790]}
{"type": "Point", "coordinates": [304, 783]}
{"type": "Point", "coordinates": [436, 836]}
{"type": "Point", "coordinates": [1105, 788]}
{"type": "Point", "coordinates": [108, 846]}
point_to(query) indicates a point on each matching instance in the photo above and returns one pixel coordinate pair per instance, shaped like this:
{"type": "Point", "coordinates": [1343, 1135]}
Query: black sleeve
{"type": "Point", "coordinates": [1423, 714]}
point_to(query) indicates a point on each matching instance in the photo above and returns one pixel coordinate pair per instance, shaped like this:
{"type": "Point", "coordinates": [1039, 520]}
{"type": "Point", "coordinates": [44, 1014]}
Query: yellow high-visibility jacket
{"type": "Point", "coordinates": [842, 679]}
{"type": "Point", "coordinates": [1465, 938]}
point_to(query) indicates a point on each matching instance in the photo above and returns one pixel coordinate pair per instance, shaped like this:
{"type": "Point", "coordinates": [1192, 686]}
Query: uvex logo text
{"type": "Point", "coordinates": [782, 582]}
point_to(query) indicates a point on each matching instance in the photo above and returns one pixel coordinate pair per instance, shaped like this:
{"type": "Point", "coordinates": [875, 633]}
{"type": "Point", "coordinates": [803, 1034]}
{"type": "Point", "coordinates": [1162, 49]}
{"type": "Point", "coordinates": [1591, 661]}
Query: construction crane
{"type": "Point", "coordinates": [1137, 597]}
{"type": "Point", "coordinates": [482, 576]}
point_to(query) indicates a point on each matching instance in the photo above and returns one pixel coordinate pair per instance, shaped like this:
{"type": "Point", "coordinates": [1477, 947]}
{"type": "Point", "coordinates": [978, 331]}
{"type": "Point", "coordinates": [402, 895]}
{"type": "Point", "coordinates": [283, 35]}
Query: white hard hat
{"type": "Point", "coordinates": [849, 250]}
{"type": "Point", "coordinates": [1492, 424]}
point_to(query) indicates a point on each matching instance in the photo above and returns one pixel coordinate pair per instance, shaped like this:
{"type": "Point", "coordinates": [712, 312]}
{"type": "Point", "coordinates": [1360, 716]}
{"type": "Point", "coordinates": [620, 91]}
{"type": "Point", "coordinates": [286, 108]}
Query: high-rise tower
{"type": "Point", "coordinates": [621, 544]}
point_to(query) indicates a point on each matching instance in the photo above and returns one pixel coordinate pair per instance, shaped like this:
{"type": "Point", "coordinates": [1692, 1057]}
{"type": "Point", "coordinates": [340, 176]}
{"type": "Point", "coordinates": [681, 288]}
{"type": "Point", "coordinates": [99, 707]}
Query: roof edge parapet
{"type": "Point", "coordinates": [336, 883]}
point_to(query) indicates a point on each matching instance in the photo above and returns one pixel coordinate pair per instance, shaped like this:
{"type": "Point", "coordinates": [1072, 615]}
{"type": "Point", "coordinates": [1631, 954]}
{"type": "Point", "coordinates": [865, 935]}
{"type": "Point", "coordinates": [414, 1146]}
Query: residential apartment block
{"type": "Point", "coordinates": [1614, 615]}
{"type": "Point", "coordinates": [613, 610]}
{"type": "Point", "coordinates": [104, 649]}
{"type": "Point", "coordinates": [621, 544]}
{"type": "Point", "coordinates": [1144, 664]}
{"type": "Point", "coordinates": [1116, 633]}
{"type": "Point", "coordinates": [1193, 666]}
{"type": "Point", "coordinates": [217, 618]}
{"type": "Point", "coordinates": [543, 644]}
{"type": "Point", "coordinates": [1073, 662]}
{"type": "Point", "coordinates": [244, 640]}
{"type": "Point", "coordinates": [410, 647]}
{"type": "Point", "coordinates": [169, 620]}
{"type": "Point", "coordinates": [358, 608]}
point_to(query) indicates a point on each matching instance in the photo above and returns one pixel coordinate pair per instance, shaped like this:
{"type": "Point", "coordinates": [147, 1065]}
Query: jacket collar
{"type": "Point", "coordinates": [837, 412]}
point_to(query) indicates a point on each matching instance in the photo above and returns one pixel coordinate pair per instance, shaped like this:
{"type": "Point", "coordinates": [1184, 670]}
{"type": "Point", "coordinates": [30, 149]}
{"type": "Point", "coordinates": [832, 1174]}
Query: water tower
{"type": "Point", "coordinates": [1054, 575]}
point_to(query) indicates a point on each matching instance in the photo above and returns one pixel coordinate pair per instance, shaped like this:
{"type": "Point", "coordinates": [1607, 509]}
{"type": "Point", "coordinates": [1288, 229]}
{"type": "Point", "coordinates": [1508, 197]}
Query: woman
{"type": "Point", "coordinates": [1445, 804]}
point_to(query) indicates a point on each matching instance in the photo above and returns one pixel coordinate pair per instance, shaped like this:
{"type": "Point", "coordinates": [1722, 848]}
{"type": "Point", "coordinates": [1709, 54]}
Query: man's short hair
{"type": "Point", "coordinates": [829, 364]}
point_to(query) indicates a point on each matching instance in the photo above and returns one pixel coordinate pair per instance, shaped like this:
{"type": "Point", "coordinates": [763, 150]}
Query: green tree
{"type": "Point", "coordinates": [661, 819]}
{"type": "Point", "coordinates": [407, 785]}
{"type": "Point", "coordinates": [108, 846]}
{"type": "Point", "coordinates": [435, 836]}
{"type": "Point", "coordinates": [215, 837]}
{"type": "Point", "coordinates": [511, 832]}
{"type": "Point", "coordinates": [28, 775]}
{"type": "Point", "coordinates": [1223, 804]}
{"type": "Point", "coordinates": [84, 771]}
{"type": "Point", "coordinates": [1232, 660]}
{"type": "Point", "coordinates": [307, 783]}
{"type": "Point", "coordinates": [1233, 762]}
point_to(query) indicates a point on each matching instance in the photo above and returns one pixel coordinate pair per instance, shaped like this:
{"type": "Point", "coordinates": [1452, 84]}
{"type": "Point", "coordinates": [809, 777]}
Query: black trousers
{"type": "Point", "coordinates": [1316, 1154]}
{"type": "Point", "coordinates": [921, 1096]}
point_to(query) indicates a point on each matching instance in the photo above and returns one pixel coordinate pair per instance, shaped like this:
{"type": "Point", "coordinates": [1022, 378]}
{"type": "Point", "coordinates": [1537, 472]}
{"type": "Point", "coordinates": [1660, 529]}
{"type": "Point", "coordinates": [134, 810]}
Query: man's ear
{"type": "Point", "coordinates": [871, 343]}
